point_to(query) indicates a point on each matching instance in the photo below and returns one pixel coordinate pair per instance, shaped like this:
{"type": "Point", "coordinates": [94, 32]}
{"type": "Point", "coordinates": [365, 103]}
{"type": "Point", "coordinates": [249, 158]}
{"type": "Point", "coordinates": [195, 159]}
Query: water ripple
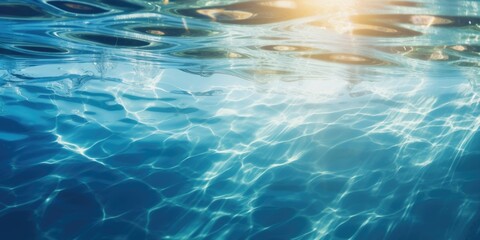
{"type": "Point", "coordinates": [238, 119]}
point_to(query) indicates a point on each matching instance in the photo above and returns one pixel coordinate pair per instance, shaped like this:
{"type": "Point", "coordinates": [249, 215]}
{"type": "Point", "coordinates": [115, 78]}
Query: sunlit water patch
{"type": "Point", "coordinates": [288, 119]}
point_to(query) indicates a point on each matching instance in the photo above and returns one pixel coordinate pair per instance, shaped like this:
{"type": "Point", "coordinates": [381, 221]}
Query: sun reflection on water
{"type": "Point", "coordinates": [211, 119]}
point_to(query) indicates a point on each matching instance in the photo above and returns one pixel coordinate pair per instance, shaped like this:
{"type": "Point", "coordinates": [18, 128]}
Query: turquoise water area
{"type": "Point", "coordinates": [236, 119]}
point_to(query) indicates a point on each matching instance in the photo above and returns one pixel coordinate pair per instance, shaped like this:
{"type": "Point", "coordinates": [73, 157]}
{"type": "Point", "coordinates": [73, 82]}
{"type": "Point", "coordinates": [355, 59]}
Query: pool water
{"type": "Point", "coordinates": [237, 119]}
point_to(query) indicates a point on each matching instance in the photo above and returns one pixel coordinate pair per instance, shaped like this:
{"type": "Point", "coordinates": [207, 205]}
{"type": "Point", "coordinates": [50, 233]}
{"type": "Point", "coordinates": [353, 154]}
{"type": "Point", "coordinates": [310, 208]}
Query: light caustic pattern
{"type": "Point", "coordinates": [239, 120]}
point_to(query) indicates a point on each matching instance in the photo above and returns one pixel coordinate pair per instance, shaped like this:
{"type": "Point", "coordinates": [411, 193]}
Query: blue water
{"type": "Point", "coordinates": [195, 119]}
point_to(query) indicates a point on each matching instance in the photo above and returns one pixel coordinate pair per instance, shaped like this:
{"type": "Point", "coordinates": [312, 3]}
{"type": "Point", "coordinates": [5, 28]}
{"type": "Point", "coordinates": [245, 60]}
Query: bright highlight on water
{"type": "Point", "coordinates": [239, 119]}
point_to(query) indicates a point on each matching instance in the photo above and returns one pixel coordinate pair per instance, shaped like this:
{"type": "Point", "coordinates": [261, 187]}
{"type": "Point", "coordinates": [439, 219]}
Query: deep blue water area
{"type": "Point", "coordinates": [237, 119]}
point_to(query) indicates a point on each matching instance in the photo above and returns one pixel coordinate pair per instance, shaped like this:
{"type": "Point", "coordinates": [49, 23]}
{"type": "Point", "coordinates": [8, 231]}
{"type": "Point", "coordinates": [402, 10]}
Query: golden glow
{"type": "Point", "coordinates": [281, 4]}
{"type": "Point", "coordinates": [234, 55]}
{"type": "Point", "coordinates": [459, 48]}
{"type": "Point", "coordinates": [426, 20]}
{"type": "Point", "coordinates": [347, 58]}
{"type": "Point", "coordinates": [338, 12]}
{"type": "Point", "coordinates": [220, 13]}
{"type": "Point", "coordinates": [328, 4]}
{"type": "Point", "coordinates": [438, 55]}
{"type": "Point", "coordinates": [376, 28]}
{"type": "Point", "coordinates": [156, 32]}
{"type": "Point", "coordinates": [284, 48]}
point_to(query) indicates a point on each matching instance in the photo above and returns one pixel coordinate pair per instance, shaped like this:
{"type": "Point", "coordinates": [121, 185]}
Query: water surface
{"type": "Point", "coordinates": [195, 119]}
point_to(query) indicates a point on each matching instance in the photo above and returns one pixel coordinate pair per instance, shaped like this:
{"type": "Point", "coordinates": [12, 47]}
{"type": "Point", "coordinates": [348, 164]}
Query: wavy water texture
{"type": "Point", "coordinates": [196, 119]}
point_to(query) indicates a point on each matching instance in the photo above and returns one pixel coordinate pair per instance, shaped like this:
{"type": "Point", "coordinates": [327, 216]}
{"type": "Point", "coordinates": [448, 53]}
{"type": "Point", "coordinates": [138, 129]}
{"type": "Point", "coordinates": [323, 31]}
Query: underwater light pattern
{"type": "Point", "coordinates": [238, 119]}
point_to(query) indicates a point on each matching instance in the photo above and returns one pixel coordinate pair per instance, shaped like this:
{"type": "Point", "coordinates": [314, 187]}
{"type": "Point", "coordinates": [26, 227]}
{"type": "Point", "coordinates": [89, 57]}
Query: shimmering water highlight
{"type": "Point", "coordinates": [195, 119]}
